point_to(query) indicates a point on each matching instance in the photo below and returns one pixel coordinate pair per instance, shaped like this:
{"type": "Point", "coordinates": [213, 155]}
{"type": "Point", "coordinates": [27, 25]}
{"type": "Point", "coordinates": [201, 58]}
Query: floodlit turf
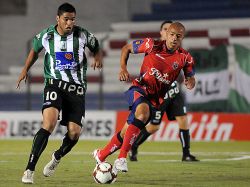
{"type": "Point", "coordinates": [222, 164]}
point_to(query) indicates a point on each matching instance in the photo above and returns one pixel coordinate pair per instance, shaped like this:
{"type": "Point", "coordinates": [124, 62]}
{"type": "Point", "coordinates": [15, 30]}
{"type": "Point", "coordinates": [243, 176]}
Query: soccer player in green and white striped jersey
{"type": "Point", "coordinates": [65, 67]}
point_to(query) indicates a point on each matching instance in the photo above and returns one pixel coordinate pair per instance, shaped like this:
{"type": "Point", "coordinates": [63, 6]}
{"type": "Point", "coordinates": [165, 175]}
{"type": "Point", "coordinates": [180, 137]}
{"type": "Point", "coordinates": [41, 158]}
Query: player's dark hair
{"type": "Point", "coordinates": [164, 22]}
{"type": "Point", "coordinates": [65, 7]}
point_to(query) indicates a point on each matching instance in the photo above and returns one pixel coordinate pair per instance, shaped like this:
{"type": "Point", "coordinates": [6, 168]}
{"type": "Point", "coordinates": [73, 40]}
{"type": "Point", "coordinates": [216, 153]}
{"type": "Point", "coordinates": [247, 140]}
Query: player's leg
{"type": "Point", "coordinates": [135, 124]}
{"type": "Point", "coordinates": [51, 108]}
{"type": "Point", "coordinates": [185, 138]}
{"type": "Point", "coordinates": [112, 146]}
{"type": "Point", "coordinates": [73, 110]}
{"type": "Point", "coordinates": [50, 116]}
{"type": "Point", "coordinates": [176, 110]}
{"type": "Point", "coordinates": [142, 137]}
{"type": "Point", "coordinates": [134, 96]}
{"type": "Point", "coordinates": [69, 141]}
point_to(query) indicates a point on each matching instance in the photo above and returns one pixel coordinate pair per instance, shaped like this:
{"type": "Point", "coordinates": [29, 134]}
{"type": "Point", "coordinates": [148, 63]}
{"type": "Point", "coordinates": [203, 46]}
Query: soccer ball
{"type": "Point", "coordinates": [103, 173]}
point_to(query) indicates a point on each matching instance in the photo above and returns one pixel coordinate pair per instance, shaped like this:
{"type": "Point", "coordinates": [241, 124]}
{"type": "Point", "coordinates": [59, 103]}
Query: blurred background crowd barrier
{"type": "Point", "coordinates": [218, 36]}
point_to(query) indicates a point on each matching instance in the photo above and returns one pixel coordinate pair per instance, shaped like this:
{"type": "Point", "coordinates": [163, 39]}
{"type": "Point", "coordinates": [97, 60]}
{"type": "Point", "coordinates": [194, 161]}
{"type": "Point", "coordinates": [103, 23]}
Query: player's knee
{"type": "Point", "coordinates": [142, 112]}
{"type": "Point", "coordinates": [152, 128]}
{"type": "Point", "coordinates": [74, 135]}
{"type": "Point", "coordinates": [49, 126]}
{"type": "Point", "coordinates": [74, 131]}
{"type": "Point", "coordinates": [143, 118]}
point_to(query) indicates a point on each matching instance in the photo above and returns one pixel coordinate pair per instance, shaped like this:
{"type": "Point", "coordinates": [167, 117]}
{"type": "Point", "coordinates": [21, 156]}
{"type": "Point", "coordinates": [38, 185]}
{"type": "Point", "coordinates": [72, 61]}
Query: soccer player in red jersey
{"type": "Point", "coordinates": [161, 66]}
{"type": "Point", "coordinates": [175, 110]}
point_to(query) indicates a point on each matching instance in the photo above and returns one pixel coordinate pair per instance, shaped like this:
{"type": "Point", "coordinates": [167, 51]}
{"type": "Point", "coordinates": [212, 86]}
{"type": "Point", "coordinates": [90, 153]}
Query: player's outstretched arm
{"type": "Point", "coordinates": [124, 74]}
{"type": "Point", "coordinates": [189, 82]}
{"type": "Point", "coordinates": [97, 63]}
{"type": "Point", "coordinates": [32, 57]}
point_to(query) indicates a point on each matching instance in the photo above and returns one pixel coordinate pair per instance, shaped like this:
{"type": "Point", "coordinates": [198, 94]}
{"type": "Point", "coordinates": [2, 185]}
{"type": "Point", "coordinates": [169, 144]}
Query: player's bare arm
{"type": "Point", "coordinates": [97, 63]}
{"type": "Point", "coordinates": [124, 74]}
{"type": "Point", "coordinates": [189, 82]}
{"type": "Point", "coordinates": [32, 57]}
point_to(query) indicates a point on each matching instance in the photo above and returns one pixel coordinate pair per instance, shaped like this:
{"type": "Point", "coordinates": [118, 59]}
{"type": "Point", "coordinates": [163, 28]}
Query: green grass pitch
{"type": "Point", "coordinates": [225, 164]}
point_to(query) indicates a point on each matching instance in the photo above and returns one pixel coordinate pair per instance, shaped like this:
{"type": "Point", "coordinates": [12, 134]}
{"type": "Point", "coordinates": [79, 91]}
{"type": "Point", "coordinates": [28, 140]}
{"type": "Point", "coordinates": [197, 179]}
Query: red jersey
{"type": "Point", "coordinates": [160, 67]}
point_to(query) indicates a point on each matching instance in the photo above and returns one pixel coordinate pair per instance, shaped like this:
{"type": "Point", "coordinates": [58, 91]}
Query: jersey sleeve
{"type": "Point", "coordinates": [92, 43]}
{"type": "Point", "coordinates": [142, 46]}
{"type": "Point", "coordinates": [37, 42]}
{"type": "Point", "coordinates": [189, 69]}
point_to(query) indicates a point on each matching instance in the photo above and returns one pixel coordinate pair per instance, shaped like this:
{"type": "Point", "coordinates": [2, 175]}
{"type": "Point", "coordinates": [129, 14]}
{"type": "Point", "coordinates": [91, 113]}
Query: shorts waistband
{"type": "Point", "coordinates": [67, 86]}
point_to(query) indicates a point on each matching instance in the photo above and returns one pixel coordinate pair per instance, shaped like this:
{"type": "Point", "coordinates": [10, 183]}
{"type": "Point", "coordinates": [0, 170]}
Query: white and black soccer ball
{"type": "Point", "coordinates": [104, 174]}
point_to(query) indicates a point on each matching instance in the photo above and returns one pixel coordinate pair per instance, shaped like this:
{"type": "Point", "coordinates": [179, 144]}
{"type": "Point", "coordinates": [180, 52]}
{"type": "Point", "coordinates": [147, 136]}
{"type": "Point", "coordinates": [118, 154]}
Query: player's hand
{"type": "Point", "coordinates": [22, 76]}
{"type": "Point", "coordinates": [124, 75]}
{"type": "Point", "coordinates": [96, 64]}
{"type": "Point", "coordinates": [189, 82]}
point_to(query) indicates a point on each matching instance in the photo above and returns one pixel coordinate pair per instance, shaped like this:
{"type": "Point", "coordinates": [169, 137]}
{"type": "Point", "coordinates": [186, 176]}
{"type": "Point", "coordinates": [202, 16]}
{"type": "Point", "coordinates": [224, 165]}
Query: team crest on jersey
{"type": "Point", "coordinates": [175, 65]}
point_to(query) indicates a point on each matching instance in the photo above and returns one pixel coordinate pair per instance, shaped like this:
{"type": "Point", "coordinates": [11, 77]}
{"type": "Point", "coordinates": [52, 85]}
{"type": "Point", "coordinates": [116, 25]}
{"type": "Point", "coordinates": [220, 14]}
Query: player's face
{"type": "Point", "coordinates": [66, 22]}
{"type": "Point", "coordinates": [175, 36]}
{"type": "Point", "coordinates": [163, 31]}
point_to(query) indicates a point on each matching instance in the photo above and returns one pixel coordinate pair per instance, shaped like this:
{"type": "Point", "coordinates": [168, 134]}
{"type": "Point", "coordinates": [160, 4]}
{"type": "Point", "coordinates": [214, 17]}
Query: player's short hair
{"type": "Point", "coordinates": [164, 22]}
{"type": "Point", "coordinates": [65, 7]}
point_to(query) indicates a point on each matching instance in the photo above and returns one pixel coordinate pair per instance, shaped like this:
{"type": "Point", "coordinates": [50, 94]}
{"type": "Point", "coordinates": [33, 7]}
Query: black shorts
{"type": "Point", "coordinates": [176, 107]}
{"type": "Point", "coordinates": [68, 97]}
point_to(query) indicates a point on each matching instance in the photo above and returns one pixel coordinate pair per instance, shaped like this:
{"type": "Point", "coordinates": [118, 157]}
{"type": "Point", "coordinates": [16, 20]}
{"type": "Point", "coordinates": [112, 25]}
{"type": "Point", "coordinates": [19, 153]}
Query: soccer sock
{"type": "Point", "coordinates": [142, 137]}
{"type": "Point", "coordinates": [129, 138]}
{"type": "Point", "coordinates": [66, 147]}
{"type": "Point", "coordinates": [39, 143]}
{"type": "Point", "coordinates": [113, 145]}
{"type": "Point", "coordinates": [185, 141]}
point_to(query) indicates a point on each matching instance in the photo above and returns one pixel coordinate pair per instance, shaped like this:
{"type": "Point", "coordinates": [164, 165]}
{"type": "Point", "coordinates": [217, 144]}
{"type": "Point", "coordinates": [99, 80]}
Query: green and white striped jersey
{"type": "Point", "coordinates": [65, 57]}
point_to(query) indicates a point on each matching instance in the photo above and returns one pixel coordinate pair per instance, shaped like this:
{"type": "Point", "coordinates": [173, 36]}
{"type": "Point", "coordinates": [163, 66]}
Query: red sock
{"type": "Point", "coordinates": [113, 145]}
{"type": "Point", "coordinates": [128, 140]}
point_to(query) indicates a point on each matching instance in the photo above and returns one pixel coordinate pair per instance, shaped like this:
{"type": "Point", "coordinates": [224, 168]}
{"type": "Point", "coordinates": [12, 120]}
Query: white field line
{"type": "Point", "coordinates": [202, 160]}
{"type": "Point", "coordinates": [237, 156]}
{"type": "Point", "coordinates": [142, 153]}
{"type": "Point", "coordinates": [210, 160]}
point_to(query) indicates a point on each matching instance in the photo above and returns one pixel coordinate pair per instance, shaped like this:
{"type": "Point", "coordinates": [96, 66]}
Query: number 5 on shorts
{"type": "Point", "coordinates": [156, 117]}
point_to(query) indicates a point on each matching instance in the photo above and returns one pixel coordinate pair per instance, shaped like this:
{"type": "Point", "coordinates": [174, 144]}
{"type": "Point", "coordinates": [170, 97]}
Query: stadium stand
{"type": "Point", "coordinates": [195, 9]}
{"type": "Point", "coordinates": [105, 91]}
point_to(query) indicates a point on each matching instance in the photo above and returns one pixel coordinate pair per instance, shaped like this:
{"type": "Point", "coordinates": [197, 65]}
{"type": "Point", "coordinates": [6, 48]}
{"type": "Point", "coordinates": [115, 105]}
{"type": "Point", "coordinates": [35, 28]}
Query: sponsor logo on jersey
{"type": "Point", "coordinates": [159, 76]}
{"type": "Point", "coordinates": [65, 61]}
{"type": "Point", "coordinates": [68, 56]}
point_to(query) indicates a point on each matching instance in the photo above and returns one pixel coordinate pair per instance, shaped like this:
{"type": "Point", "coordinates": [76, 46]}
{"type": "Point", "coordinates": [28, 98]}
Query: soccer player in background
{"type": "Point", "coordinates": [65, 68]}
{"type": "Point", "coordinates": [161, 66]}
{"type": "Point", "coordinates": [175, 109]}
